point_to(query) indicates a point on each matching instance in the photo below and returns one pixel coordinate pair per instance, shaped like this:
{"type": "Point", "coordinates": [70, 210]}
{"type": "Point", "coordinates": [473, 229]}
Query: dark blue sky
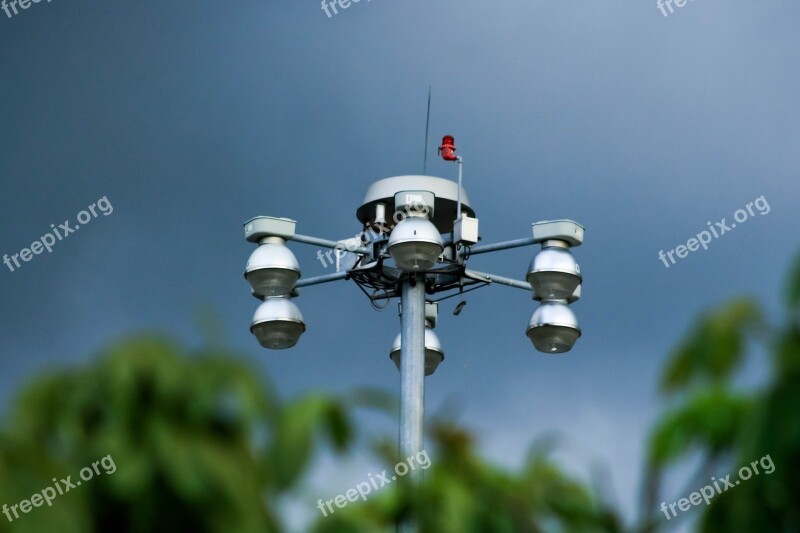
{"type": "Point", "coordinates": [192, 117]}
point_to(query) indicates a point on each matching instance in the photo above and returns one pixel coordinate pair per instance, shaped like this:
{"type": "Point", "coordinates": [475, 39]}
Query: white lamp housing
{"type": "Point", "coordinates": [277, 323]}
{"type": "Point", "coordinates": [272, 269]}
{"type": "Point", "coordinates": [434, 354]}
{"type": "Point", "coordinates": [415, 244]}
{"type": "Point", "coordinates": [553, 327]}
{"type": "Point", "coordinates": [554, 274]}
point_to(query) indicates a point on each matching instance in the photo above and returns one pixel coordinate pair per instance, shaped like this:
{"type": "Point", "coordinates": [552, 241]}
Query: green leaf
{"type": "Point", "coordinates": [712, 421]}
{"type": "Point", "coordinates": [714, 350]}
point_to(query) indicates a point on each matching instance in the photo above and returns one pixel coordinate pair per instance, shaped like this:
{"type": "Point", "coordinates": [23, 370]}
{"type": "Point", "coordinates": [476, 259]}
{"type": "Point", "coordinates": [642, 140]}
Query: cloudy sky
{"type": "Point", "coordinates": [191, 117]}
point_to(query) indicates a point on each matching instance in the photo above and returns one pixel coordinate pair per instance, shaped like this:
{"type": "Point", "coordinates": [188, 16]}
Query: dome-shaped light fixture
{"type": "Point", "coordinates": [434, 354]}
{"type": "Point", "coordinates": [415, 244]}
{"type": "Point", "coordinates": [277, 323]}
{"type": "Point", "coordinates": [553, 327]}
{"type": "Point", "coordinates": [554, 274]}
{"type": "Point", "coordinates": [272, 269]}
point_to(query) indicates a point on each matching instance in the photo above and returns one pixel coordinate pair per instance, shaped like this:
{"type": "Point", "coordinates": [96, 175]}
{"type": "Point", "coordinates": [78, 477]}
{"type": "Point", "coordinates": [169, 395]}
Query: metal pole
{"type": "Point", "coordinates": [502, 280]}
{"type": "Point", "coordinates": [412, 384]}
{"type": "Point", "coordinates": [316, 280]}
{"type": "Point", "coordinates": [486, 248]}
{"type": "Point", "coordinates": [326, 243]}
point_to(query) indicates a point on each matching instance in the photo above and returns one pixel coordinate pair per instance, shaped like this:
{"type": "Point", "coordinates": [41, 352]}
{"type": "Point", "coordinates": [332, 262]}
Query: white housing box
{"type": "Point", "coordinates": [257, 228]}
{"type": "Point", "coordinates": [562, 230]}
{"type": "Point", "coordinates": [465, 230]}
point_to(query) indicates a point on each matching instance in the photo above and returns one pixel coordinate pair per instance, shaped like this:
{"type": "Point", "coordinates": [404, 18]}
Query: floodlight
{"type": "Point", "coordinates": [553, 327]}
{"type": "Point", "coordinates": [272, 269]}
{"type": "Point", "coordinates": [277, 323]}
{"type": "Point", "coordinates": [433, 351]}
{"type": "Point", "coordinates": [415, 244]}
{"type": "Point", "coordinates": [554, 274]}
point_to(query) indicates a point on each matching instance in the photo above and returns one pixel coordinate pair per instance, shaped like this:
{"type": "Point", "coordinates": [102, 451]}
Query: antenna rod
{"type": "Point", "coordinates": [458, 195]}
{"type": "Point", "coordinates": [427, 128]}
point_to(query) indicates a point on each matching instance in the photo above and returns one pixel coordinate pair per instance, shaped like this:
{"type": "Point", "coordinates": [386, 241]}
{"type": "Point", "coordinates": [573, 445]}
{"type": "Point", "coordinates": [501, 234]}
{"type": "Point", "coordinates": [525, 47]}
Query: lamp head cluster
{"type": "Point", "coordinates": [419, 245]}
{"type": "Point", "coordinates": [555, 278]}
{"type": "Point", "coordinates": [272, 272]}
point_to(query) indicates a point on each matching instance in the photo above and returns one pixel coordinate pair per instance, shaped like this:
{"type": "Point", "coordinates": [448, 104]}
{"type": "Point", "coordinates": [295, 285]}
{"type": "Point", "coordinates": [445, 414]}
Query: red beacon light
{"type": "Point", "coordinates": [448, 148]}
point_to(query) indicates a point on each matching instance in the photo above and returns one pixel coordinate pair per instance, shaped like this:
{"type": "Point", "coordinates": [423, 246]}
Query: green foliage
{"type": "Point", "coordinates": [200, 443]}
{"type": "Point", "coordinates": [769, 502]}
{"type": "Point", "coordinates": [793, 294]}
{"type": "Point", "coordinates": [296, 433]}
{"type": "Point", "coordinates": [463, 493]}
{"type": "Point", "coordinates": [721, 422]}
{"type": "Point", "coordinates": [714, 349]}
{"type": "Point", "coordinates": [709, 421]}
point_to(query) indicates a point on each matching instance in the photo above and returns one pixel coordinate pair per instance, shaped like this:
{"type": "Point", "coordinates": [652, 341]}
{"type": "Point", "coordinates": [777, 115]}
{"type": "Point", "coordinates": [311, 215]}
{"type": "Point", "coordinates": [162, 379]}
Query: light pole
{"type": "Point", "coordinates": [418, 234]}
